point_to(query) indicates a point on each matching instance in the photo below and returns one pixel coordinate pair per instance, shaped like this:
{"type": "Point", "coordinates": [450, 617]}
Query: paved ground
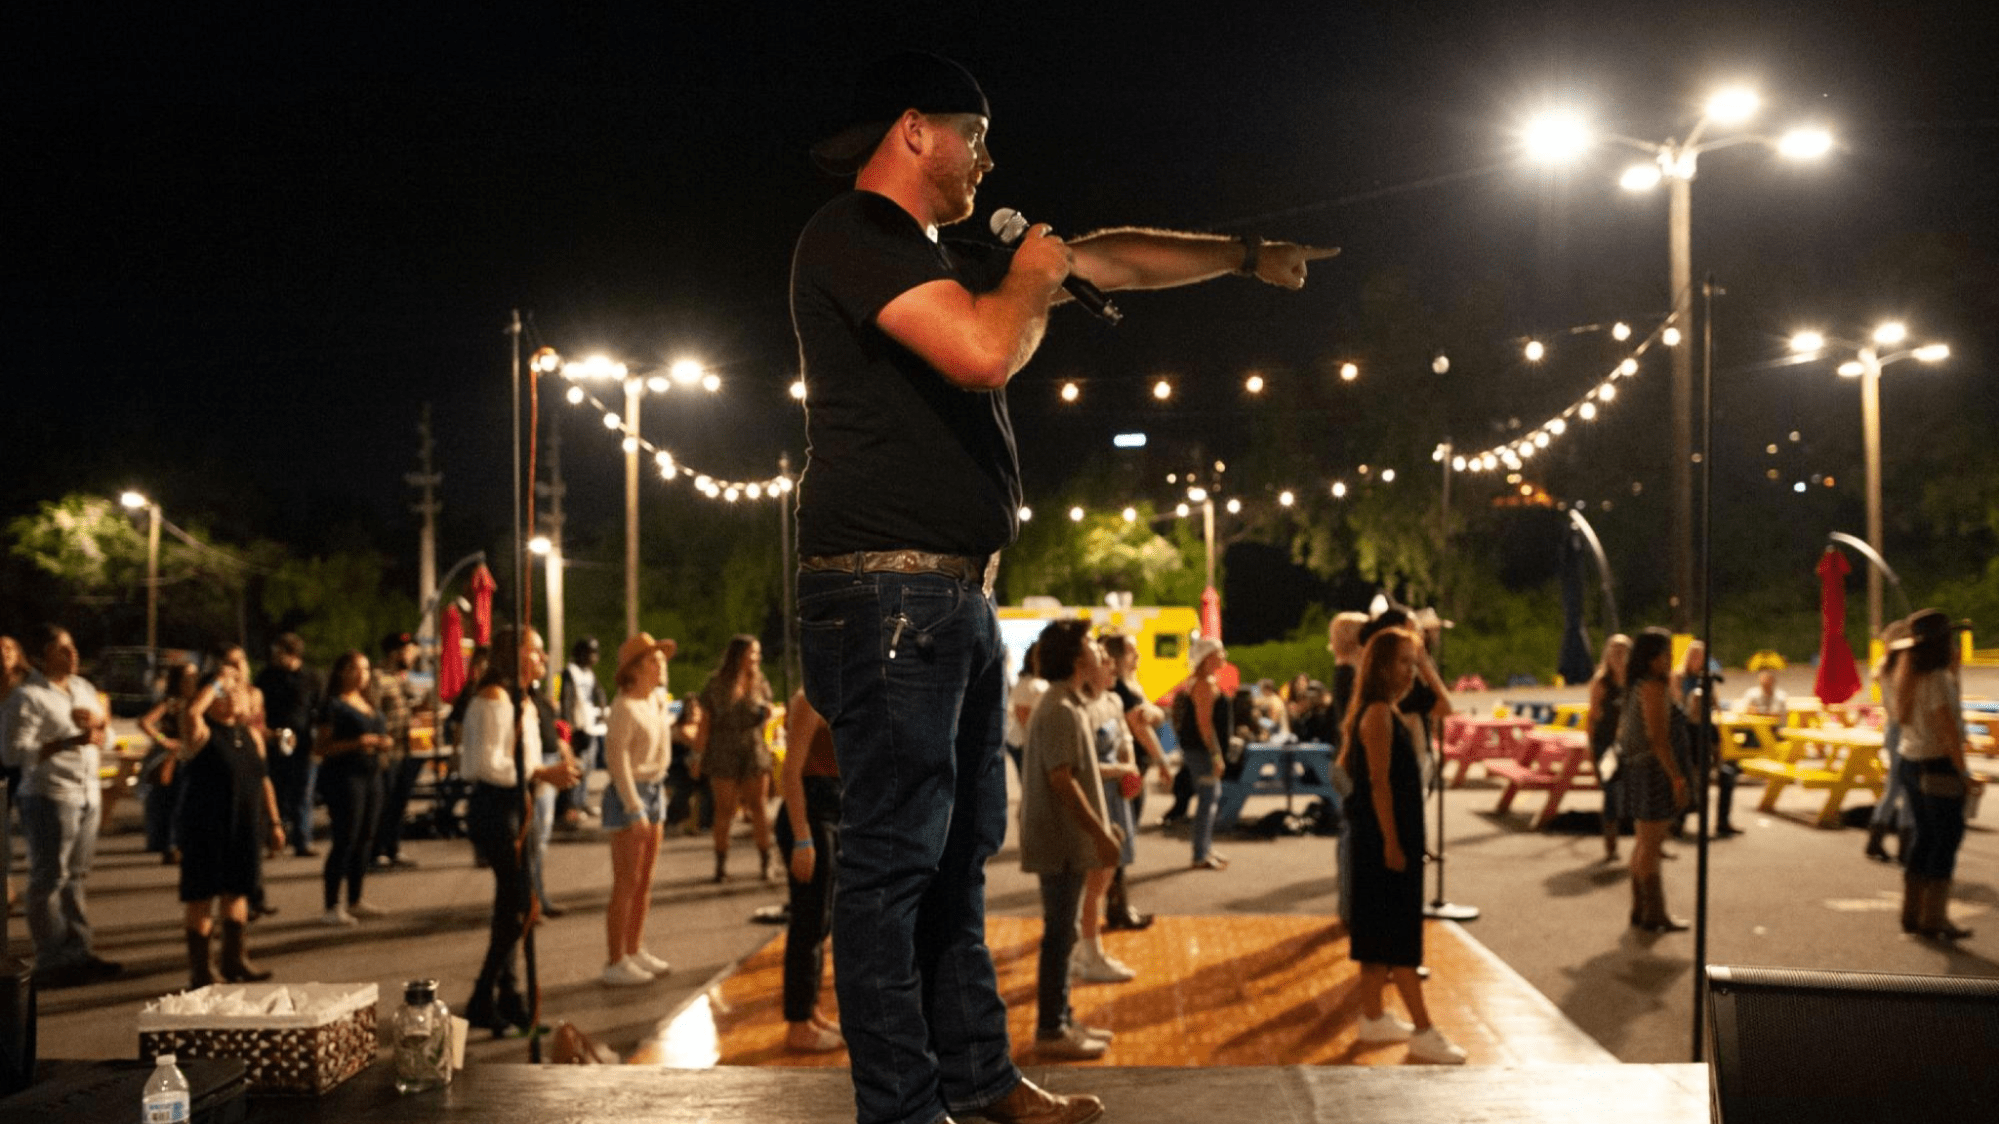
{"type": "Point", "coordinates": [1784, 893]}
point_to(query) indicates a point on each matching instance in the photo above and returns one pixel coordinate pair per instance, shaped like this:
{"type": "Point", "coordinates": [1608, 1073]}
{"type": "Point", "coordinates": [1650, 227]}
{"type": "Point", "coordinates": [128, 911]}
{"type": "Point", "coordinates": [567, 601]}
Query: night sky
{"type": "Point", "coordinates": [252, 242]}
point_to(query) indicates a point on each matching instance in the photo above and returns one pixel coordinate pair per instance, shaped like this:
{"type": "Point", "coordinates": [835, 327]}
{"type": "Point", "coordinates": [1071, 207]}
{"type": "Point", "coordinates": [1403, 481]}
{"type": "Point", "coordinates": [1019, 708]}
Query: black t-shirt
{"type": "Point", "coordinates": [897, 457]}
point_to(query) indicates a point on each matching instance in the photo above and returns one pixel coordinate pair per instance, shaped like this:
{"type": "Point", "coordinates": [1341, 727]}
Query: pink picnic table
{"type": "Point", "coordinates": [1474, 738]}
{"type": "Point", "coordinates": [1557, 760]}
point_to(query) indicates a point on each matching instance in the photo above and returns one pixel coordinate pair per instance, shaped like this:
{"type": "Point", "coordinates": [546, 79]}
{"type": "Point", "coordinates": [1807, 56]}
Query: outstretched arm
{"type": "Point", "coordinates": [1136, 258]}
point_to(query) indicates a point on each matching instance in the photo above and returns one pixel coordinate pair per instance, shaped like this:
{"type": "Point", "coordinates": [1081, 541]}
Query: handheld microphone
{"type": "Point", "coordinates": [1008, 225]}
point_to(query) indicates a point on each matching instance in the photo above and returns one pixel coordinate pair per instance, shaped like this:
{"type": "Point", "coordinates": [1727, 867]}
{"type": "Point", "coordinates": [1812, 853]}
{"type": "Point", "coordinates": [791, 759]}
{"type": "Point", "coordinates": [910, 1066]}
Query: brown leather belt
{"type": "Point", "coordinates": [965, 568]}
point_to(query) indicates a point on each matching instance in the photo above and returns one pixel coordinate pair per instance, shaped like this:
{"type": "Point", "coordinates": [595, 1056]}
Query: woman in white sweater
{"type": "Point", "coordinates": [637, 751]}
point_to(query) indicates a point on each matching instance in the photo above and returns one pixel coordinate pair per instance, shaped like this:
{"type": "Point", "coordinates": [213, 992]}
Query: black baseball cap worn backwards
{"type": "Point", "coordinates": [909, 80]}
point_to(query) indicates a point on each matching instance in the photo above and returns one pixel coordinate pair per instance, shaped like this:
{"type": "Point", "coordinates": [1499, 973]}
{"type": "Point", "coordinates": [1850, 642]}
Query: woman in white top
{"type": "Point", "coordinates": [1027, 691]}
{"type": "Point", "coordinates": [1925, 700]}
{"type": "Point", "coordinates": [637, 750]}
{"type": "Point", "coordinates": [496, 815]}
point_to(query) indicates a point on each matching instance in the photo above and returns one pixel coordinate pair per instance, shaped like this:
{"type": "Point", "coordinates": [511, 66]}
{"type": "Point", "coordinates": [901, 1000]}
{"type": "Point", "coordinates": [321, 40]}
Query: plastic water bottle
{"type": "Point", "coordinates": [166, 1096]}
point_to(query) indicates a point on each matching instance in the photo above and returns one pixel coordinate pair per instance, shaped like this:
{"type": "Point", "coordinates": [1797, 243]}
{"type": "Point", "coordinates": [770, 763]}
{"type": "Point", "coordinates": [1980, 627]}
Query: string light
{"type": "Point", "coordinates": [1162, 390]}
{"type": "Point", "coordinates": [1339, 490]}
{"type": "Point", "coordinates": [1670, 337]}
{"type": "Point", "coordinates": [1388, 476]}
{"type": "Point", "coordinates": [1130, 515]}
{"type": "Point", "coordinates": [1351, 371]}
{"type": "Point", "coordinates": [798, 389]}
{"type": "Point", "coordinates": [1026, 513]}
{"type": "Point", "coordinates": [1234, 506]}
{"type": "Point", "coordinates": [1071, 392]}
{"type": "Point", "coordinates": [1535, 350]}
{"type": "Point", "coordinates": [1253, 384]}
{"type": "Point", "coordinates": [1286, 498]}
{"type": "Point", "coordinates": [1076, 514]}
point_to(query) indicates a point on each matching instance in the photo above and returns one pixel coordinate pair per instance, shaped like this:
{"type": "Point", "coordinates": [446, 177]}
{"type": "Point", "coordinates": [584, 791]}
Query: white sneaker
{"type": "Point", "coordinates": [1097, 968]}
{"type": "Point", "coordinates": [626, 972]}
{"type": "Point", "coordinates": [1430, 1046]}
{"type": "Point", "coordinates": [1073, 1043]}
{"type": "Point", "coordinates": [337, 916]}
{"type": "Point", "coordinates": [1384, 1028]}
{"type": "Point", "coordinates": [657, 966]}
{"type": "Point", "coordinates": [365, 910]}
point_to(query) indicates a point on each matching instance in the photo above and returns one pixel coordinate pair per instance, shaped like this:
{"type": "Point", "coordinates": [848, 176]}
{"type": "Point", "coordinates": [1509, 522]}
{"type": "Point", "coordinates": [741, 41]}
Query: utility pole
{"type": "Point", "coordinates": [787, 576]}
{"type": "Point", "coordinates": [426, 480]}
{"type": "Point", "coordinates": [553, 490]}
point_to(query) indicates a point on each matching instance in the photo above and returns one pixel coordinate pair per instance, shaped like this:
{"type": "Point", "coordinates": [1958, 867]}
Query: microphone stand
{"type": "Point", "coordinates": [518, 691]}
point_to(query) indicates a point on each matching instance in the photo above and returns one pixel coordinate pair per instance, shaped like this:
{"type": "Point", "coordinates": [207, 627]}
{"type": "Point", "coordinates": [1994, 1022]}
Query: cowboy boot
{"type": "Point", "coordinates": [1876, 833]}
{"type": "Point", "coordinates": [236, 968]}
{"type": "Point", "coordinates": [721, 867]}
{"type": "Point", "coordinates": [200, 972]}
{"type": "Point", "coordinates": [1118, 912]}
{"type": "Point", "coordinates": [1913, 894]}
{"type": "Point", "coordinates": [1656, 918]}
{"type": "Point", "coordinates": [1936, 912]}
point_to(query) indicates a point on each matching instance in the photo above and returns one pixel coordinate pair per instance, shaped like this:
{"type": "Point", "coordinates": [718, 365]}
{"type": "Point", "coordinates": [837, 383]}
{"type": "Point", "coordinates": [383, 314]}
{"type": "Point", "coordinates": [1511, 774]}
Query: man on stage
{"type": "Point", "coordinates": [912, 488]}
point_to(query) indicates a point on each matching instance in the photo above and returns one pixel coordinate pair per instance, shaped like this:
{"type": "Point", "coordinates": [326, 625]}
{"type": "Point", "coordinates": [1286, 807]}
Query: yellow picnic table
{"type": "Point", "coordinates": [1745, 735]}
{"type": "Point", "coordinates": [1570, 716]}
{"type": "Point", "coordinates": [1836, 759]}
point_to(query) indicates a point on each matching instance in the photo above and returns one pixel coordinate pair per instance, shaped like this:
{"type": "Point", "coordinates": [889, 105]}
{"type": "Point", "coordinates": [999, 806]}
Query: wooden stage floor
{"type": "Point", "coordinates": [1237, 991]}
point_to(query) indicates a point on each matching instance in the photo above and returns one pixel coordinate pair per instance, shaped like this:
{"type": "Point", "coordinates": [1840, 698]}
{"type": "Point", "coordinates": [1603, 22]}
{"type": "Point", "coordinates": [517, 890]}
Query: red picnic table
{"type": "Point", "coordinates": [1556, 760]}
{"type": "Point", "coordinates": [1473, 738]}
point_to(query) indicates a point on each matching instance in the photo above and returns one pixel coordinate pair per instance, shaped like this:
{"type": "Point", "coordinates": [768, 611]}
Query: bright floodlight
{"type": "Point", "coordinates": [1804, 144]}
{"type": "Point", "coordinates": [1253, 384]}
{"type": "Point", "coordinates": [1933, 353]}
{"type": "Point", "coordinates": [686, 371]}
{"type": "Point", "coordinates": [1070, 392]}
{"type": "Point", "coordinates": [1162, 390]}
{"type": "Point", "coordinates": [1805, 343]}
{"type": "Point", "coordinates": [545, 361]}
{"type": "Point", "coordinates": [1076, 514]}
{"type": "Point", "coordinates": [1556, 137]}
{"type": "Point", "coordinates": [1851, 369]}
{"type": "Point", "coordinates": [1893, 332]}
{"type": "Point", "coordinates": [1026, 513]}
{"type": "Point", "coordinates": [1640, 177]}
{"type": "Point", "coordinates": [798, 389]}
{"type": "Point", "coordinates": [540, 545]}
{"type": "Point", "coordinates": [1197, 494]}
{"type": "Point", "coordinates": [1349, 372]}
{"type": "Point", "coordinates": [1733, 106]}
{"type": "Point", "coordinates": [596, 367]}
{"type": "Point", "coordinates": [132, 500]}
{"type": "Point", "coordinates": [1535, 350]}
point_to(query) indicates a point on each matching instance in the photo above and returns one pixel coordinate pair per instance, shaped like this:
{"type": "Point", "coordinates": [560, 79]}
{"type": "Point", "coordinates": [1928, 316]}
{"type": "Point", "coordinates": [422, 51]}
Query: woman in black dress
{"type": "Point", "coordinates": [1385, 811]}
{"type": "Point", "coordinates": [1654, 758]}
{"type": "Point", "coordinates": [226, 803]}
{"type": "Point", "coordinates": [348, 743]}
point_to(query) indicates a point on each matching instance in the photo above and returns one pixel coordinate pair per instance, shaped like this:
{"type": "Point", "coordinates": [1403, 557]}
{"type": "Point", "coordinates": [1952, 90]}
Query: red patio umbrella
{"type": "Point", "coordinates": [451, 656]}
{"type": "Point", "coordinates": [1838, 679]}
{"type": "Point", "coordinates": [482, 586]}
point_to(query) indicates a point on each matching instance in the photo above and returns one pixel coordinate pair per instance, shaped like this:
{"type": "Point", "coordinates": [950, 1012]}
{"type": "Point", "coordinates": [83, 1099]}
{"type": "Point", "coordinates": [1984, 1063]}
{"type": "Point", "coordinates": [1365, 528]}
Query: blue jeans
{"type": "Point", "coordinates": [1207, 794]}
{"type": "Point", "coordinates": [62, 842]}
{"type": "Point", "coordinates": [924, 807]}
{"type": "Point", "coordinates": [1061, 913]}
{"type": "Point", "coordinates": [294, 778]}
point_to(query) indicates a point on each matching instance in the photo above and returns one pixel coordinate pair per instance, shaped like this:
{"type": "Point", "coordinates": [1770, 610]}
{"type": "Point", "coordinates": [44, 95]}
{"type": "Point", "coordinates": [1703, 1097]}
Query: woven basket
{"type": "Point", "coordinates": [305, 1054]}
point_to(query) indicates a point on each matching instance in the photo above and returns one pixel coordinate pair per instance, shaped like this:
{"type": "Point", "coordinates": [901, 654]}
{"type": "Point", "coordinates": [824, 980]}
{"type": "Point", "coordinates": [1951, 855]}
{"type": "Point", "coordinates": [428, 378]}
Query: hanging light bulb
{"type": "Point", "coordinates": [1235, 506]}
{"type": "Point", "coordinates": [1458, 464]}
{"type": "Point", "coordinates": [630, 444]}
{"type": "Point", "coordinates": [1026, 513]}
{"type": "Point", "coordinates": [798, 389]}
{"type": "Point", "coordinates": [1587, 412]}
{"type": "Point", "coordinates": [1253, 384]}
{"type": "Point", "coordinates": [610, 421]}
{"type": "Point", "coordinates": [1628, 367]}
{"type": "Point", "coordinates": [1607, 392]}
{"type": "Point", "coordinates": [575, 395]}
{"type": "Point", "coordinates": [1181, 509]}
{"type": "Point", "coordinates": [1620, 331]}
{"type": "Point", "coordinates": [1541, 440]}
{"type": "Point", "coordinates": [755, 492]}
{"type": "Point", "coordinates": [1339, 490]}
{"type": "Point", "coordinates": [1670, 337]}
{"type": "Point", "coordinates": [1162, 390]}
{"type": "Point", "coordinates": [1351, 371]}
{"type": "Point", "coordinates": [1535, 350]}
{"type": "Point", "coordinates": [1076, 514]}
{"type": "Point", "coordinates": [1557, 426]}
{"type": "Point", "coordinates": [1071, 392]}
{"type": "Point", "coordinates": [1286, 499]}
{"type": "Point", "coordinates": [1197, 494]}
{"type": "Point", "coordinates": [1130, 515]}
{"type": "Point", "coordinates": [1388, 476]}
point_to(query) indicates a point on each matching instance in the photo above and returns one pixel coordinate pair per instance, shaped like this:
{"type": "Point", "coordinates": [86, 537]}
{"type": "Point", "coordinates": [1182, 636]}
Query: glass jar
{"type": "Point", "coordinates": [420, 1035]}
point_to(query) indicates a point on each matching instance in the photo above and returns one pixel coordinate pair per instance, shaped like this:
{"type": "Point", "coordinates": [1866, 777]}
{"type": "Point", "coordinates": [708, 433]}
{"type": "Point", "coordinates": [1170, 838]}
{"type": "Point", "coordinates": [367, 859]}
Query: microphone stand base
{"type": "Point", "coordinates": [1450, 911]}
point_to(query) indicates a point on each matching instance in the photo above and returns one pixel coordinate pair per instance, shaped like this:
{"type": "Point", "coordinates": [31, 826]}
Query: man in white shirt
{"type": "Point", "coordinates": [53, 728]}
{"type": "Point", "coordinates": [1766, 698]}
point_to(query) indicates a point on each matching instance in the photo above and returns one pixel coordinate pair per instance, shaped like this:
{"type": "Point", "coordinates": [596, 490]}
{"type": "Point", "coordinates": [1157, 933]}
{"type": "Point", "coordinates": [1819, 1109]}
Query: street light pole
{"type": "Point", "coordinates": [133, 501]}
{"type": "Point", "coordinates": [1680, 238]}
{"type": "Point", "coordinates": [632, 507]}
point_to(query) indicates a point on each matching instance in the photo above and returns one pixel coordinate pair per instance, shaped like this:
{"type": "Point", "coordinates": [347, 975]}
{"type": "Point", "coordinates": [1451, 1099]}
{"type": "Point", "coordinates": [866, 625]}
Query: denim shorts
{"type": "Point", "coordinates": [652, 806]}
